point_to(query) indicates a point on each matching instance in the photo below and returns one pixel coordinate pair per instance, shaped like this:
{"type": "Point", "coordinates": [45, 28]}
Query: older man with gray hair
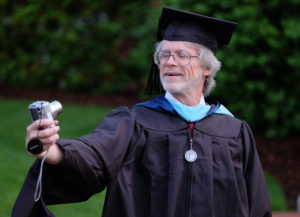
{"type": "Point", "coordinates": [172, 156]}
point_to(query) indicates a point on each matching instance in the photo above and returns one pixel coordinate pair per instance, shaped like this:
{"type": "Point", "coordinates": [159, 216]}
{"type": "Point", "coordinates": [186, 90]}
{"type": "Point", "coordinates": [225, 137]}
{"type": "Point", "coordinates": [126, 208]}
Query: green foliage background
{"type": "Point", "coordinates": [106, 46]}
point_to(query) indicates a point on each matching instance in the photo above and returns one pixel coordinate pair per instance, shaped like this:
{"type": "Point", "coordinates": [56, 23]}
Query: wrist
{"type": "Point", "coordinates": [55, 155]}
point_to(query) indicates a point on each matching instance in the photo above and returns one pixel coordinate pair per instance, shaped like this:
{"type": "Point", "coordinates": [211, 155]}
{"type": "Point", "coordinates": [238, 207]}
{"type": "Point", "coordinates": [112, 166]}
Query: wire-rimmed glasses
{"type": "Point", "coordinates": [183, 58]}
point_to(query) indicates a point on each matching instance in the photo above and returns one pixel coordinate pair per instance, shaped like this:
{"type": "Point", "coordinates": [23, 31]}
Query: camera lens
{"type": "Point", "coordinates": [56, 108]}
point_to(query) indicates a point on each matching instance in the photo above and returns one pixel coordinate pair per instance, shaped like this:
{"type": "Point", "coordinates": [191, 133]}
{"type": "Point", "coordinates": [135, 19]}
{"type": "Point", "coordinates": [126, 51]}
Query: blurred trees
{"type": "Point", "coordinates": [75, 45]}
{"type": "Point", "coordinates": [106, 46]}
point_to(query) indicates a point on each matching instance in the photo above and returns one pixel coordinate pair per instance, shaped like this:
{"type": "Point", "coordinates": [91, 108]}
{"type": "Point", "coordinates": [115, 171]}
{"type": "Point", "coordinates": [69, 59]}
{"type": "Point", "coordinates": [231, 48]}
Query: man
{"type": "Point", "coordinates": [171, 156]}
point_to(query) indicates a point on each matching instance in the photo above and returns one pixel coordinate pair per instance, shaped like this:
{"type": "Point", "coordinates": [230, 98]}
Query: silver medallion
{"type": "Point", "coordinates": [190, 155]}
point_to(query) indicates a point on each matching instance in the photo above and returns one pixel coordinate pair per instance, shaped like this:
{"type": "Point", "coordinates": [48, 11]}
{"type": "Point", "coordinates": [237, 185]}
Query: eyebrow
{"type": "Point", "coordinates": [179, 50]}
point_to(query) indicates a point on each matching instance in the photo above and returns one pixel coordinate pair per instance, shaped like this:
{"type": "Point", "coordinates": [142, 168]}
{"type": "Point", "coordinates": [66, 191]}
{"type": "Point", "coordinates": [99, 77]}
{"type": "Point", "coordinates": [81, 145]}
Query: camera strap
{"type": "Point", "coordinates": [38, 189]}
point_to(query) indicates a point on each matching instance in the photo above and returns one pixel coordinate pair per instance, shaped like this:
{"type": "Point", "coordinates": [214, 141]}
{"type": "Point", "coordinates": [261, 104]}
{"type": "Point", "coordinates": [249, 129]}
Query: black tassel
{"type": "Point", "coordinates": [153, 86]}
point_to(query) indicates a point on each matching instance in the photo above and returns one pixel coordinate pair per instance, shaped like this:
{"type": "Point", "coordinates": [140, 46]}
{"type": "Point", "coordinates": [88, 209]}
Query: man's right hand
{"type": "Point", "coordinates": [48, 135]}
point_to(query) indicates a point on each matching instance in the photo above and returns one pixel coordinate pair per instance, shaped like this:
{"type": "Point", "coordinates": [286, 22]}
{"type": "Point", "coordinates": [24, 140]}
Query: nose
{"type": "Point", "coordinates": [171, 60]}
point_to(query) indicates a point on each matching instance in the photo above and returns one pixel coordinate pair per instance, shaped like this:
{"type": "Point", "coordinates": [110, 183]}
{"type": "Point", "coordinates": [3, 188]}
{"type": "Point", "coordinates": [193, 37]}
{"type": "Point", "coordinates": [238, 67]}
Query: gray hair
{"type": "Point", "coordinates": [207, 59]}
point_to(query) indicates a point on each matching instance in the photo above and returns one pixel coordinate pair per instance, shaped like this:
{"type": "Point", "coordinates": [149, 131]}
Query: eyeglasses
{"type": "Point", "coordinates": [183, 58]}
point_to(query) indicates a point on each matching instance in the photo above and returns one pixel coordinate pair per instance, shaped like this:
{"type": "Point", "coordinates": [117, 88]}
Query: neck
{"type": "Point", "coordinates": [191, 99]}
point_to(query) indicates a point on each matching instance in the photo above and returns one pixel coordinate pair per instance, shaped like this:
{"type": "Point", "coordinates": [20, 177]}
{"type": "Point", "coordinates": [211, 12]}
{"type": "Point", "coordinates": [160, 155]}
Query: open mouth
{"type": "Point", "coordinates": [172, 74]}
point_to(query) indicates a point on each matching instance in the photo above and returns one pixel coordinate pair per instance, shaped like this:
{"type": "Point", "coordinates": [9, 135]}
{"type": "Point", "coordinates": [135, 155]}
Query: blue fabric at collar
{"type": "Point", "coordinates": [160, 103]}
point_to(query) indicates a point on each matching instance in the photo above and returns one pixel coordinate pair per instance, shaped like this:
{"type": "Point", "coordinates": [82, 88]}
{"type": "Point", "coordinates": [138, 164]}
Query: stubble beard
{"type": "Point", "coordinates": [177, 88]}
{"type": "Point", "coordinates": [185, 85]}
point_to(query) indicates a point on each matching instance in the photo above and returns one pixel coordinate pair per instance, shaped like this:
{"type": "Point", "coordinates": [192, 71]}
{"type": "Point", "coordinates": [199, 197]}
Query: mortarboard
{"type": "Point", "coordinates": [181, 25]}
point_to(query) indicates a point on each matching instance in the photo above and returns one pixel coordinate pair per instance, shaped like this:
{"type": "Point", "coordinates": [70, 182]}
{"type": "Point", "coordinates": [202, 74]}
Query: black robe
{"type": "Point", "coordinates": [139, 156]}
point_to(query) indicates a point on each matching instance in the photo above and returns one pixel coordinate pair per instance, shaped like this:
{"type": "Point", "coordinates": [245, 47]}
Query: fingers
{"type": "Point", "coordinates": [42, 130]}
{"type": "Point", "coordinates": [48, 142]}
{"type": "Point", "coordinates": [49, 138]}
{"type": "Point", "coordinates": [48, 132]}
{"type": "Point", "coordinates": [41, 123]}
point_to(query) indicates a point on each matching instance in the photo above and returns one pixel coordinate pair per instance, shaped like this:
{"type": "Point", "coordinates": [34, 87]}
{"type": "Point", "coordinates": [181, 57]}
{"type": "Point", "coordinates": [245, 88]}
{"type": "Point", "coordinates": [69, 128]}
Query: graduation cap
{"type": "Point", "coordinates": [181, 25]}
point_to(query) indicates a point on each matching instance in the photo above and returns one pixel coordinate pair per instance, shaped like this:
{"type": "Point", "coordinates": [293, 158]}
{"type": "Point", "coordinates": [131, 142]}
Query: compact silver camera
{"type": "Point", "coordinates": [44, 109]}
{"type": "Point", "coordinates": [41, 110]}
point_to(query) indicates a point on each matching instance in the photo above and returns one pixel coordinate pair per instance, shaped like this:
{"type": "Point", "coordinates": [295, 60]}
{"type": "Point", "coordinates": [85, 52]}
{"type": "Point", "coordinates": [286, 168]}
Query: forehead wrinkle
{"type": "Point", "coordinates": [177, 46]}
{"type": "Point", "coordinates": [175, 50]}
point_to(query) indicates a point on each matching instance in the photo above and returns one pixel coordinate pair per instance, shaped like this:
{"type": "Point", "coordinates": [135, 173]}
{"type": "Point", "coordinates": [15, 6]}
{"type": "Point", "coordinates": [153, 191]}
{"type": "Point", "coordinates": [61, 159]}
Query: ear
{"type": "Point", "coordinates": [206, 72]}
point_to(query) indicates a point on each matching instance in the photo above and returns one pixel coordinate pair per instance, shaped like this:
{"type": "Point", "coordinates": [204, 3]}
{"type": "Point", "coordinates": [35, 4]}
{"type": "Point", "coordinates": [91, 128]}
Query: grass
{"type": "Point", "coordinates": [278, 202]}
{"type": "Point", "coordinates": [75, 121]}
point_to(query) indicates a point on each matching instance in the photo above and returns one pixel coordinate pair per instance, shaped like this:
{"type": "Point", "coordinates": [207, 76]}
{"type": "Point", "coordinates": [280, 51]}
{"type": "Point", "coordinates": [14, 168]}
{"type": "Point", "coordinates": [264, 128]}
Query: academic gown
{"type": "Point", "coordinates": [138, 155]}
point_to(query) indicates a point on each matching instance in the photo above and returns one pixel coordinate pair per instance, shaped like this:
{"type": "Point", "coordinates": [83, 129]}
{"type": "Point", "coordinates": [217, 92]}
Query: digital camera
{"type": "Point", "coordinates": [44, 109]}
